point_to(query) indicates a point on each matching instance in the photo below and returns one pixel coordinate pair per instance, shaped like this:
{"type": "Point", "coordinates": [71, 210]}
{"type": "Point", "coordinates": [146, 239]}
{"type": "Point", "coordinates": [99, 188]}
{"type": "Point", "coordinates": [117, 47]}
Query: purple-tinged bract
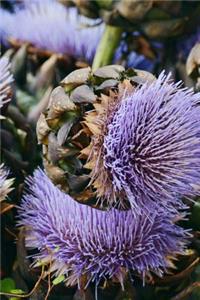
{"type": "Point", "coordinates": [51, 26]}
{"type": "Point", "coordinates": [152, 145]}
{"type": "Point", "coordinates": [5, 183]}
{"type": "Point", "coordinates": [80, 240]}
{"type": "Point", "coordinates": [6, 79]}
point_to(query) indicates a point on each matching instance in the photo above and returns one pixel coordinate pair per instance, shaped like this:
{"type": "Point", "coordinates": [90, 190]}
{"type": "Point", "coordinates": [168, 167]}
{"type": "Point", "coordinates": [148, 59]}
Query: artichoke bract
{"type": "Point", "coordinates": [156, 19]}
{"type": "Point", "coordinates": [72, 127]}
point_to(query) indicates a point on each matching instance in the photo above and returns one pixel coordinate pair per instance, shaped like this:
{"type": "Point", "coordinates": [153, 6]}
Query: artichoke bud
{"type": "Point", "coordinates": [157, 19]}
{"type": "Point", "coordinates": [73, 125]}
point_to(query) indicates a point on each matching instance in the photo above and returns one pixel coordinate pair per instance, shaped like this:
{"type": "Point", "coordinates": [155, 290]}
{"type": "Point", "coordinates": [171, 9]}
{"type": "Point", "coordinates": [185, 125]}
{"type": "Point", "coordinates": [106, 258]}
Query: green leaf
{"type": "Point", "coordinates": [6, 285]}
{"type": "Point", "coordinates": [58, 279]}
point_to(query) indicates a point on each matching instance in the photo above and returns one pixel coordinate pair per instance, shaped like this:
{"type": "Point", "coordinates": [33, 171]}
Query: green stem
{"type": "Point", "coordinates": [107, 46]}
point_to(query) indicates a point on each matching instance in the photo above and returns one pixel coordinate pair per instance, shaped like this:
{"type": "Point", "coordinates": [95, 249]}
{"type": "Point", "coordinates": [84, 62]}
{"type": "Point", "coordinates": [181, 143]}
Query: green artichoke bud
{"type": "Point", "coordinates": [68, 128]}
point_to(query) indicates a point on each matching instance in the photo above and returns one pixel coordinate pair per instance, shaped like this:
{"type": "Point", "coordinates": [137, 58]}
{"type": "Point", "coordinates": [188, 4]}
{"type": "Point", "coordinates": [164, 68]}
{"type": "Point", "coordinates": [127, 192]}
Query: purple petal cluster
{"type": "Point", "coordinates": [152, 145]}
{"type": "Point", "coordinates": [6, 79]}
{"type": "Point", "coordinates": [80, 240]}
{"type": "Point", "coordinates": [50, 25]}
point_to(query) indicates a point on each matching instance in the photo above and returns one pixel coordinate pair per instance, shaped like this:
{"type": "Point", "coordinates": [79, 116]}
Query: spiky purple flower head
{"type": "Point", "coordinates": [80, 240]}
{"type": "Point", "coordinates": [152, 145]}
{"type": "Point", "coordinates": [51, 26]}
{"type": "Point", "coordinates": [6, 79]}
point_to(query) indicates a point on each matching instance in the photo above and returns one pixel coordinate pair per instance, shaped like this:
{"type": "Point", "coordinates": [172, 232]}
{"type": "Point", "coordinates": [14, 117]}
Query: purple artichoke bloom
{"type": "Point", "coordinates": [5, 183]}
{"type": "Point", "coordinates": [6, 79]}
{"type": "Point", "coordinates": [79, 240]}
{"type": "Point", "coordinates": [54, 27]}
{"type": "Point", "coordinates": [152, 145]}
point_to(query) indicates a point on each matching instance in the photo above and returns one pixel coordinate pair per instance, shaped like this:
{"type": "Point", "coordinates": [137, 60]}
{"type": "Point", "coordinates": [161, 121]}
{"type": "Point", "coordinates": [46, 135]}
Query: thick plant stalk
{"type": "Point", "coordinates": [107, 46]}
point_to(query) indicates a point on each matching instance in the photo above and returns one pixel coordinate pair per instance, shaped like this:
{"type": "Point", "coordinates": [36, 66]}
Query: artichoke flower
{"type": "Point", "coordinates": [74, 35]}
{"type": "Point", "coordinates": [66, 129]}
{"type": "Point", "coordinates": [77, 241]}
{"type": "Point", "coordinates": [116, 137]}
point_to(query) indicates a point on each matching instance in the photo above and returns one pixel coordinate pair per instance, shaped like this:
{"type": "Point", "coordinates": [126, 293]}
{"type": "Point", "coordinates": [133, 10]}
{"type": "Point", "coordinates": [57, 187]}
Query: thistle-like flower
{"type": "Point", "coordinates": [81, 241]}
{"type": "Point", "coordinates": [5, 184]}
{"type": "Point", "coordinates": [137, 143]}
{"type": "Point", "coordinates": [6, 79]}
{"type": "Point", "coordinates": [56, 28]}
{"type": "Point", "coordinates": [152, 145]}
